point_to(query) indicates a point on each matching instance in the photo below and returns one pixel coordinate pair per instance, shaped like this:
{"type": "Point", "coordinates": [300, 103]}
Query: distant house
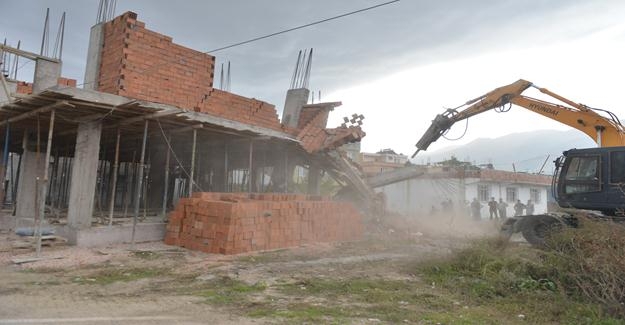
{"type": "Point", "coordinates": [352, 151]}
{"type": "Point", "coordinates": [382, 161]}
{"type": "Point", "coordinates": [424, 193]}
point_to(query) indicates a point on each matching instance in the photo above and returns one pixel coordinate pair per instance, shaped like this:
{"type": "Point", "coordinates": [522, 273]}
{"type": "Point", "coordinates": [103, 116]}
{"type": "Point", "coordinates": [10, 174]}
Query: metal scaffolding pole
{"type": "Point", "coordinates": [226, 182]}
{"type": "Point", "coordinates": [286, 171]}
{"type": "Point", "coordinates": [191, 181]}
{"type": "Point", "coordinates": [114, 185]}
{"type": "Point", "coordinates": [137, 200]}
{"type": "Point", "coordinates": [5, 160]}
{"type": "Point", "coordinates": [166, 189]}
{"type": "Point", "coordinates": [250, 167]}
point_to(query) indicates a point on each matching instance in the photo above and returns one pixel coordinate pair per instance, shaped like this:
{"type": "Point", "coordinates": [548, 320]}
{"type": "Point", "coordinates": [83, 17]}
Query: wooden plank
{"type": "Point", "coordinates": [26, 54]}
{"type": "Point", "coordinates": [34, 112]}
{"type": "Point", "coordinates": [34, 259]}
{"type": "Point", "coordinates": [144, 117]}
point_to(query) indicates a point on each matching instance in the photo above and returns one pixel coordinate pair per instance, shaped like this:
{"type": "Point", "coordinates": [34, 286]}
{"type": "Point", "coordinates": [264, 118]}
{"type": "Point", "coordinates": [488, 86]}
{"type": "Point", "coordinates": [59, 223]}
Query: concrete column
{"type": "Point", "coordinates": [314, 174]}
{"type": "Point", "coordinates": [295, 100]}
{"type": "Point", "coordinates": [29, 171]}
{"type": "Point", "coordinates": [158, 160]}
{"type": "Point", "coordinates": [47, 74]}
{"type": "Point", "coordinates": [84, 175]}
{"type": "Point", "coordinates": [94, 54]}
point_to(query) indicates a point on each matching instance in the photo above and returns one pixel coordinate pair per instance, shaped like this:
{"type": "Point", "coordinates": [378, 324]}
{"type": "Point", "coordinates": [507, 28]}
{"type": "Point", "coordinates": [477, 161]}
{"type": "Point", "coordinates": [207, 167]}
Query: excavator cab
{"type": "Point", "coordinates": [591, 179]}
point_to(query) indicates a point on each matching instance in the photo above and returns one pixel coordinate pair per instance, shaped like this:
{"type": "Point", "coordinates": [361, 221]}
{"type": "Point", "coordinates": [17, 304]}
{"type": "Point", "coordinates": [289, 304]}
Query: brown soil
{"type": "Point", "coordinates": [160, 284]}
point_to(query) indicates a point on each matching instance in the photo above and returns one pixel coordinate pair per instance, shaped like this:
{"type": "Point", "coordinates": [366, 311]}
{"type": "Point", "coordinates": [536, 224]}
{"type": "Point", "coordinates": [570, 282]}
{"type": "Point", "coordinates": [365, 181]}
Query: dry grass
{"type": "Point", "coordinates": [591, 263]}
{"type": "Point", "coordinates": [578, 279]}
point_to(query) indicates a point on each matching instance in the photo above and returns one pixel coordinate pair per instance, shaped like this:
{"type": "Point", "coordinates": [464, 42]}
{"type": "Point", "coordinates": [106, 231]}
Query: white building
{"type": "Point", "coordinates": [383, 161]}
{"type": "Point", "coordinates": [421, 195]}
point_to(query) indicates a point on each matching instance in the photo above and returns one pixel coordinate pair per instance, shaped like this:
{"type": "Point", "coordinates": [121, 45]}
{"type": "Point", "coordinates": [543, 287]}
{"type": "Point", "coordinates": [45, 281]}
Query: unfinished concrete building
{"type": "Point", "coordinates": [106, 163]}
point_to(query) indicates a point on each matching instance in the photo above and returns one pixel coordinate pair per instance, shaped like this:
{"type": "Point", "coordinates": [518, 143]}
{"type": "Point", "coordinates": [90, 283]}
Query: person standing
{"type": "Point", "coordinates": [475, 209]}
{"type": "Point", "coordinates": [518, 208]}
{"type": "Point", "coordinates": [502, 207]}
{"type": "Point", "coordinates": [529, 208]}
{"type": "Point", "coordinates": [492, 208]}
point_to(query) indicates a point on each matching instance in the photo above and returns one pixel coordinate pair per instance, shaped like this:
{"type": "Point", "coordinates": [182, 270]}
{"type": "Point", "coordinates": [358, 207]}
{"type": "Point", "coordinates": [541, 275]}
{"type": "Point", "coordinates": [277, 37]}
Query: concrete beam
{"type": "Point", "coordinates": [395, 176]}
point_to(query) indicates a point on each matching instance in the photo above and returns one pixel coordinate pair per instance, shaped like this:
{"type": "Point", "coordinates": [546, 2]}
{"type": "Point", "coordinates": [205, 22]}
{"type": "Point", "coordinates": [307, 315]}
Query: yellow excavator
{"type": "Point", "coordinates": [589, 182]}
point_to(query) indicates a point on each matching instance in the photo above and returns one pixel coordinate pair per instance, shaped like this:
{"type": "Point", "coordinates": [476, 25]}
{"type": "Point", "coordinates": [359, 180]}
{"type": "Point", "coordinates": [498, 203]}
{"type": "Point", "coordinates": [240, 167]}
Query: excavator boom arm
{"type": "Point", "coordinates": [605, 131]}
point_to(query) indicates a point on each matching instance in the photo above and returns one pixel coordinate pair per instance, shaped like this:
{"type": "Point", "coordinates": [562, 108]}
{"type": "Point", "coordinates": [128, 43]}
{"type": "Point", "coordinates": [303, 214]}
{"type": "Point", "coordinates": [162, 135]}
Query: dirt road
{"type": "Point", "coordinates": [364, 282]}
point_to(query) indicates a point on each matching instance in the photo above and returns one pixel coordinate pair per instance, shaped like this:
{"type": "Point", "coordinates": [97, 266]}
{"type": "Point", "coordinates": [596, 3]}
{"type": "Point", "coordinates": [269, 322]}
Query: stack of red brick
{"type": "Point", "coordinates": [232, 223]}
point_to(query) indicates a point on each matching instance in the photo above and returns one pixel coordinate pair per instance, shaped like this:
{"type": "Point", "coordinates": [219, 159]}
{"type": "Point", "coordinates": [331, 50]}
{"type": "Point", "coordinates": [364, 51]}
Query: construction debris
{"type": "Point", "coordinates": [28, 242]}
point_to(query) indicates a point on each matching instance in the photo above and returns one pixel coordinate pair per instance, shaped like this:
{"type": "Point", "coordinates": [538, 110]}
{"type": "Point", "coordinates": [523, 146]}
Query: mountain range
{"type": "Point", "coordinates": [524, 152]}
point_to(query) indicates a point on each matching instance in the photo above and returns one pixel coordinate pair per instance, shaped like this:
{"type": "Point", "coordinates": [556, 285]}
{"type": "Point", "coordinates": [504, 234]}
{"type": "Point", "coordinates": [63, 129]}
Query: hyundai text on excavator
{"type": "Point", "coordinates": [587, 182]}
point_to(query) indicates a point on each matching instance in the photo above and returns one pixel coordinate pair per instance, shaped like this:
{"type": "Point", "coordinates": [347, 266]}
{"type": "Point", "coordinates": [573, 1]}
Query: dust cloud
{"type": "Point", "coordinates": [443, 225]}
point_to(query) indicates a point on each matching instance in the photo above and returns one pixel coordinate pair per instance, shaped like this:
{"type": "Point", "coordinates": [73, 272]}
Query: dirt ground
{"type": "Point", "coordinates": [366, 282]}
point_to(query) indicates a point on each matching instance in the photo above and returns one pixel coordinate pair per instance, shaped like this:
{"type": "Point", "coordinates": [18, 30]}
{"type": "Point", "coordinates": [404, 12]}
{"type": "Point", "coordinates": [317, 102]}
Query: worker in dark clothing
{"type": "Point", "coordinates": [502, 207]}
{"type": "Point", "coordinates": [518, 208]}
{"type": "Point", "coordinates": [475, 209]}
{"type": "Point", "coordinates": [492, 208]}
{"type": "Point", "coordinates": [529, 207]}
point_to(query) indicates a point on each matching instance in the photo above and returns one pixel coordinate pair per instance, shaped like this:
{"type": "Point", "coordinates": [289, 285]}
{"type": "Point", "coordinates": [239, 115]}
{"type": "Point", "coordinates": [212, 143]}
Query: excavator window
{"type": "Point", "coordinates": [617, 162]}
{"type": "Point", "coordinates": [582, 175]}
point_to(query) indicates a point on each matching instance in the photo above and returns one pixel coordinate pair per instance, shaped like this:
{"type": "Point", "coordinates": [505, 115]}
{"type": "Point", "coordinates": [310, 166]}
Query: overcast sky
{"type": "Point", "coordinates": [398, 65]}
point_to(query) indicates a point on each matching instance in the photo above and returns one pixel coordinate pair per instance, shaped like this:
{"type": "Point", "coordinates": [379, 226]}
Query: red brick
{"type": "Point", "coordinates": [236, 225]}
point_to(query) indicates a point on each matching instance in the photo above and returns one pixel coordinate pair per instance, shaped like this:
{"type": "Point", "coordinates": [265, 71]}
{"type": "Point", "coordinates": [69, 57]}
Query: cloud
{"type": "Point", "coordinates": [409, 58]}
{"type": "Point", "coordinates": [399, 108]}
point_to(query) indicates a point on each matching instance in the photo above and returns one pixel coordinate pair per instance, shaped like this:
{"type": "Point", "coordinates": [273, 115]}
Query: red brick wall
{"type": "Point", "coordinates": [66, 82]}
{"type": "Point", "coordinates": [232, 223]}
{"type": "Point", "coordinates": [309, 113]}
{"type": "Point", "coordinates": [239, 108]}
{"type": "Point", "coordinates": [139, 63]}
{"type": "Point", "coordinates": [24, 87]}
{"type": "Point", "coordinates": [313, 135]}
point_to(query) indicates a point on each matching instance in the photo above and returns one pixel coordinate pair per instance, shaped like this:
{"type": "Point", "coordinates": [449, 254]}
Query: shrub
{"type": "Point", "coordinates": [578, 269]}
{"type": "Point", "coordinates": [591, 262]}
